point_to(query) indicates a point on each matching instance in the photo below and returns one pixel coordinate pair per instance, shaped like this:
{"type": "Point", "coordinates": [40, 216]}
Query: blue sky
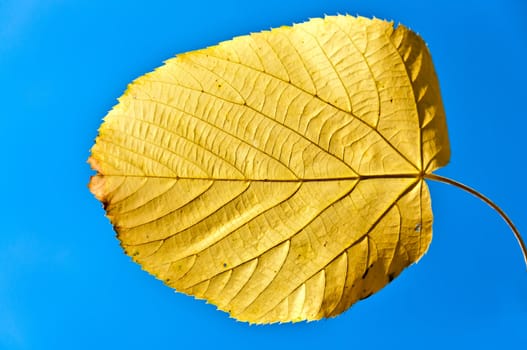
{"type": "Point", "coordinates": [64, 280]}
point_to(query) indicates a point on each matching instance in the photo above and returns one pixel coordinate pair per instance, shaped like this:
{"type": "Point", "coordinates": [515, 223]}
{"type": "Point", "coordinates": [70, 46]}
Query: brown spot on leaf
{"type": "Point", "coordinates": [367, 296]}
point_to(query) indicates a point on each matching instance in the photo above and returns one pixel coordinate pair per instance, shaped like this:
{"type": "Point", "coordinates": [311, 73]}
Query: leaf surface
{"type": "Point", "coordinates": [278, 175]}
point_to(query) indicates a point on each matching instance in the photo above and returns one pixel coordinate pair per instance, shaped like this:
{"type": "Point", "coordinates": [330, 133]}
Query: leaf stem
{"type": "Point", "coordinates": [475, 193]}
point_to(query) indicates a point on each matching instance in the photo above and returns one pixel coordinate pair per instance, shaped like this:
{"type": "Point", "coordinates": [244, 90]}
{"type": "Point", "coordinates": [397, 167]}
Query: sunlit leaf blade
{"type": "Point", "coordinates": [278, 175]}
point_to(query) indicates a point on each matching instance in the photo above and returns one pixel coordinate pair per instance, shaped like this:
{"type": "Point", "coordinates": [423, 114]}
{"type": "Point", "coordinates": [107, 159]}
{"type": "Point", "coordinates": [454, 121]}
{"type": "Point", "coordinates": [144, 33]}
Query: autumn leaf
{"type": "Point", "coordinates": [278, 175]}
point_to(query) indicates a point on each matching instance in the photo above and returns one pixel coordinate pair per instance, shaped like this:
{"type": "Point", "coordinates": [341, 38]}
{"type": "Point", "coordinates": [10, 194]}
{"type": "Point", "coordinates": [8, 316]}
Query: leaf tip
{"type": "Point", "coordinates": [94, 164]}
{"type": "Point", "coordinates": [97, 181]}
{"type": "Point", "coordinates": [96, 186]}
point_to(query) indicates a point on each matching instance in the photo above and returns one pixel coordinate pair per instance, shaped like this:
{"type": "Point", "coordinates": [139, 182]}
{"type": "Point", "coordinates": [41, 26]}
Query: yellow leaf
{"type": "Point", "coordinates": [278, 175]}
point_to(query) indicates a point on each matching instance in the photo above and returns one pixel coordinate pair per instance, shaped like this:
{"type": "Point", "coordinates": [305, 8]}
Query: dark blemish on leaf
{"type": "Point", "coordinates": [224, 264]}
{"type": "Point", "coordinates": [418, 228]}
{"type": "Point", "coordinates": [367, 296]}
{"type": "Point", "coordinates": [167, 280]}
{"type": "Point", "coordinates": [365, 273]}
{"type": "Point", "coordinates": [391, 276]}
